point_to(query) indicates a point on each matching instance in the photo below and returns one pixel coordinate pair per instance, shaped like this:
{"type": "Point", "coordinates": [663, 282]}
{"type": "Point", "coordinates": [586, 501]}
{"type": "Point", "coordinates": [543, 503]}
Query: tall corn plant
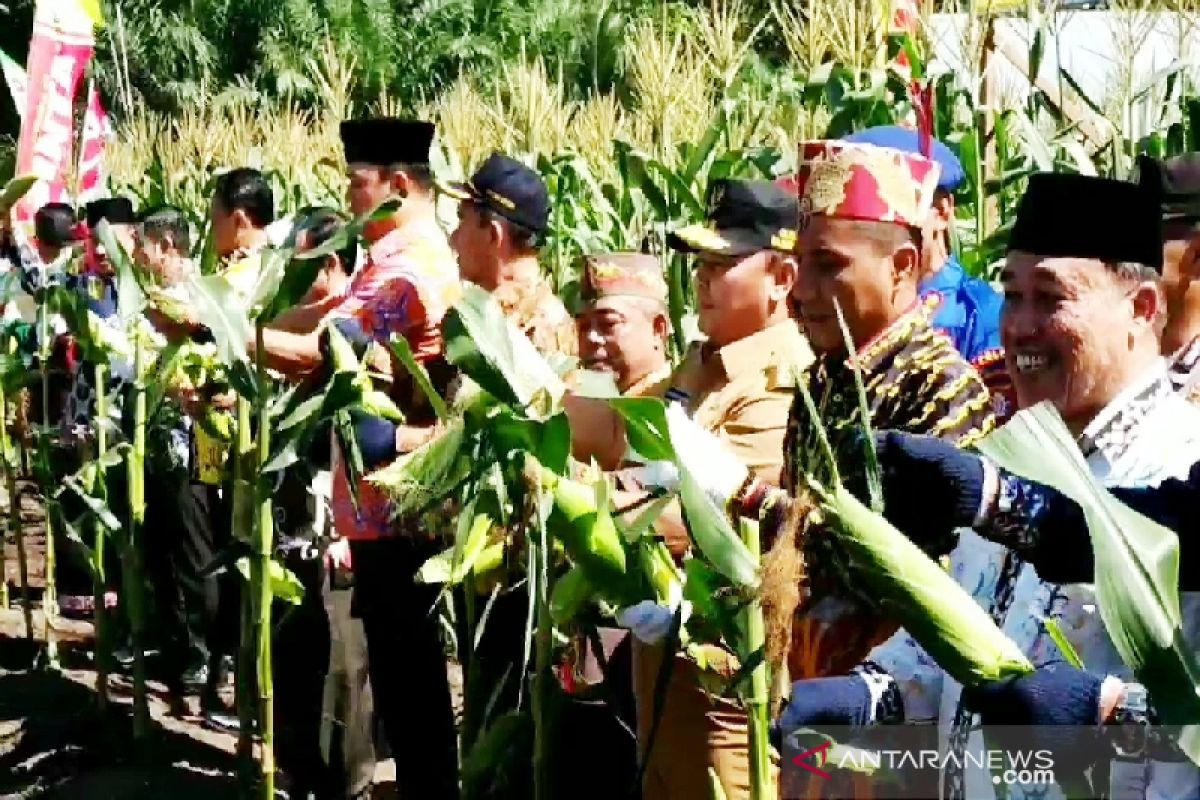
{"type": "Point", "coordinates": [235, 319]}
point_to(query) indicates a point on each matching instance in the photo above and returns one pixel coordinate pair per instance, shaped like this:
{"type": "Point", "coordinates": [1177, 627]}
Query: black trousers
{"type": "Point", "coordinates": [348, 708]}
{"type": "Point", "coordinates": [180, 541]}
{"type": "Point", "coordinates": [323, 702]}
{"type": "Point", "coordinates": [407, 665]}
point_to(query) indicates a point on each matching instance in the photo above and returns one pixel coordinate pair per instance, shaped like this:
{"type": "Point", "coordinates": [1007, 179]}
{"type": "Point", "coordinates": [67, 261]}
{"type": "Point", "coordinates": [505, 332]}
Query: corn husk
{"type": "Point", "coordinates": [910, 587]}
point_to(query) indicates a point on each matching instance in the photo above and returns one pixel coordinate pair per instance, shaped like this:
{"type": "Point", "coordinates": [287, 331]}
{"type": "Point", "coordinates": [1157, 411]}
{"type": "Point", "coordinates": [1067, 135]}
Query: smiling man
{"type": "Point", "coordinates": [1081, 328]}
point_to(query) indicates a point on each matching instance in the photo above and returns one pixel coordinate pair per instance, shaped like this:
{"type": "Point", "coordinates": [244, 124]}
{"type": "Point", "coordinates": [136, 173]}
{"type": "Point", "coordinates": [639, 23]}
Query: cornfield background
{"type": "Point", "coordinates": [629, 107]}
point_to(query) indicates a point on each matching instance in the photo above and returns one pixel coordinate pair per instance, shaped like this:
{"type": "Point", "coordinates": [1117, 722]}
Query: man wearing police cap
{"type": "Point", "coordinates": [503, 212]}
{"type": "Point", "coordinates": [408, 283]}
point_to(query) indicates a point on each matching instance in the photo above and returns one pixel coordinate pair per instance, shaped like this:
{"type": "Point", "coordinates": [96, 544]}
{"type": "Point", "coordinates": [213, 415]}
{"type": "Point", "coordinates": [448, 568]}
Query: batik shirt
{"type": "Point", "coordinates": [538, 313]}
{"type": "Point", "coordinates": [1146, 435]}
{"type": "Point", "coordinates": [409, 282]}
{"type": "Point", "coordinates": [915, 381]}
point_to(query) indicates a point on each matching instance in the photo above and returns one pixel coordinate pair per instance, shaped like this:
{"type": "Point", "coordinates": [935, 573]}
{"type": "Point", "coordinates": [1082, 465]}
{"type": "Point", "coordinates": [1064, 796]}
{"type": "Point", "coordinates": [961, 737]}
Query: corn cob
{"type": "Point", "coordinates": [912, 589]}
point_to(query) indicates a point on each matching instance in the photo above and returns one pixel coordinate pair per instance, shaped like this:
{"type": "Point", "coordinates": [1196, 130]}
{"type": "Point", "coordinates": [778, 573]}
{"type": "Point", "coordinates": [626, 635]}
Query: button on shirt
{"type": "Point", "coordinates": [409, 282]}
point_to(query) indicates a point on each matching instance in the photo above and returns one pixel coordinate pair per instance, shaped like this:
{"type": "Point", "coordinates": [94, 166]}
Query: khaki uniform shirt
{"type": "Point", "coordinates": [742, 392]}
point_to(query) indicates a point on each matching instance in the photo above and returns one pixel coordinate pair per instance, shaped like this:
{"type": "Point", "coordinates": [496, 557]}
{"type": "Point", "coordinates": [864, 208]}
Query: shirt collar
{"type": "Point", "coordinates": [1114, 428]}
{"type": "Point", "coordinates": [899, 333]}
{"type": "Point", "coordinates": [757, 352]}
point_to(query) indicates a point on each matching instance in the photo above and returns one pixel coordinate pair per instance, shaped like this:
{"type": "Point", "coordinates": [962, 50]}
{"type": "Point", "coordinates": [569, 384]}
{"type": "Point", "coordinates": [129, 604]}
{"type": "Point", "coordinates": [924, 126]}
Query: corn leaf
{"type": "Point", "coordinates": [14, 190]}
{"type": "Point", "coordinates": [131, 301]}
{"type": "Point", "coordinates": [285, 585]}
{"type": "Point", "coordinates": [1137, 565]}
{"type": "Point", "coordinates": [481, 341]}
{"type": "Point", "coordinates": [452, 565]}
{"type": "Point", "coordinates": [1055, 631]}
{"type": "Point", "coordinates": [648, 434]}
{"type": "Point", "coordinates": [404, 354]}
{"type": "Point", "coordinates": [219, 305]}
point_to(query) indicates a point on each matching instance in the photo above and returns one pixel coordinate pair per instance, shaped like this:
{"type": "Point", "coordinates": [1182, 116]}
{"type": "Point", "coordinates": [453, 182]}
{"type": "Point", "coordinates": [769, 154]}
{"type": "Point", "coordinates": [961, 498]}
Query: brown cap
{"type": "Point", "coordinates": [622, 274]}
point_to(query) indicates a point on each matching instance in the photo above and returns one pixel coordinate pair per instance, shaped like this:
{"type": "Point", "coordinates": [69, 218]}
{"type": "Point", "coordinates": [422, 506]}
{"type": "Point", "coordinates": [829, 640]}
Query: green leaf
{"type": "Point", "coordinates": [1062, 643]}
{"type": "Point", "coordinates": [14, 190]}
{"type": "Point", "coordinates": [285, 585]}
{"type": "Point", "coordinates": [420, 478]}
{"type": "Point", "coordinates": [598, 385]}
{"type": "Point", "coordinates": [302, 414]}
{"type": "Point", "coordinates": [645, 426]}
{"type": "Point", "coordinates": [131, 301]}
{"type": "Point", "coordinates": [219, 305]}
{"type": "Point", "coordinates": [404, 354]}
{"type": "Point", "coordinates": [94, 504]}
{"type": "Point", "coordinates": [481, 341]}
{"type": "Point", "coordinates": [452, 566]}
{"type": "Point", "coordinates": [1137, 565]}
{"type": "Point", "coordinates": [713, 534]}
{"type": "Point", "coordinates": [285, 458]}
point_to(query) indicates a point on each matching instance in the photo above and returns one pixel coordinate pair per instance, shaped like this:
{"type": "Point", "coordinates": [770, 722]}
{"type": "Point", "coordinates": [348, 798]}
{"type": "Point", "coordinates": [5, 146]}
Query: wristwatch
{"type": "Point", "coordinates": [1131, 722]}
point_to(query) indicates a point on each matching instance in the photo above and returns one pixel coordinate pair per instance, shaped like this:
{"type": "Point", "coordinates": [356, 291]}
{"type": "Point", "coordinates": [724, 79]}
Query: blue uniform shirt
{"type": "Point", "coordinates": [970, 311]}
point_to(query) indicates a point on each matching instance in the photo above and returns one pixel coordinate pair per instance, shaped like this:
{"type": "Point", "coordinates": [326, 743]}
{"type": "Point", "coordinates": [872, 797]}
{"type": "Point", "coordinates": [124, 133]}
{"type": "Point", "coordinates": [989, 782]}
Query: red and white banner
{"type": "Point", "coordinates": [59, 51]}
{"type": "Point", "coordinates": [96, 131]}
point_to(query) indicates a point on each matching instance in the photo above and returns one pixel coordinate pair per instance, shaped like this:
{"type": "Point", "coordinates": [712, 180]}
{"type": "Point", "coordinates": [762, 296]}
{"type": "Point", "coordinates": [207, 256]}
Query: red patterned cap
{"type": "Point", "coordinates": [865, 182]}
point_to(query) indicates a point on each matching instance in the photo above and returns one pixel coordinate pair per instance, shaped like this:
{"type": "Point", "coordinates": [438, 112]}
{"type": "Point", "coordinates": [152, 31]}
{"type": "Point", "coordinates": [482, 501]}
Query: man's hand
{"type": "Point", "coordinates": [1056, 708]}
{"type": "Point", "coordinates": [337, 555]}
{"type": "Point", "coordinates": [175, 331]}
{"type": "Point", "coordinates": [930, 487]}
{"type": "Point", "coordinates": [719, 472]}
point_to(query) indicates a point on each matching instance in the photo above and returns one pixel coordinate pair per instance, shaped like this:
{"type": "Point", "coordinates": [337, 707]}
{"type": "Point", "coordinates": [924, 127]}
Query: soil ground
{"type": "Point", "coordinates": [54, 740]}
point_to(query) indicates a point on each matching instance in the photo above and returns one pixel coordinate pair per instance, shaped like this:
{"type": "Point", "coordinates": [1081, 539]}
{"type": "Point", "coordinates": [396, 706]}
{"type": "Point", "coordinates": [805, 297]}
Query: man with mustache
{"type": "Point", "coordinates": [623, 322]}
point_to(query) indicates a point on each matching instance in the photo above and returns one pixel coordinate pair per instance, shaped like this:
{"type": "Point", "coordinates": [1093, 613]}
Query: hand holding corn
{"type": "Point", "coordinates": [720, 473]}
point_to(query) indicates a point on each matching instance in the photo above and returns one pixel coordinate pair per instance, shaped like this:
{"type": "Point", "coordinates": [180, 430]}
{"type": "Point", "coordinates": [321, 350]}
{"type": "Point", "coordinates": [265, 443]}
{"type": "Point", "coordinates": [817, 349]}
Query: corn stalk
{"type": "Point", "coordinates": [243, 524]}
{"type": "Point", "coordinates": [99, 490]}
{"type": "Point", "coordinates": [260, 584]}
{"type": "Point", "coordinates": [131, 553]}
{"type": "Point", "coordinates": [757, 700]}
{"type": "Point", "coordinates": [49, 596]}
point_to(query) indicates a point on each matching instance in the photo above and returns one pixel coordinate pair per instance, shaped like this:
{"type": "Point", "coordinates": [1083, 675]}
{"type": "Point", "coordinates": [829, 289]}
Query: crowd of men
{"type": "Point", "coordinates": [1099, 314]}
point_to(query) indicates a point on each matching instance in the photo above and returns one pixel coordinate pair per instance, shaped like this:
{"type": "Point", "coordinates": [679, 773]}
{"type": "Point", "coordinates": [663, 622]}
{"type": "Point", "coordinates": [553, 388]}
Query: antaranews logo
{"type": "Point", "coordinates": [819, 757]}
